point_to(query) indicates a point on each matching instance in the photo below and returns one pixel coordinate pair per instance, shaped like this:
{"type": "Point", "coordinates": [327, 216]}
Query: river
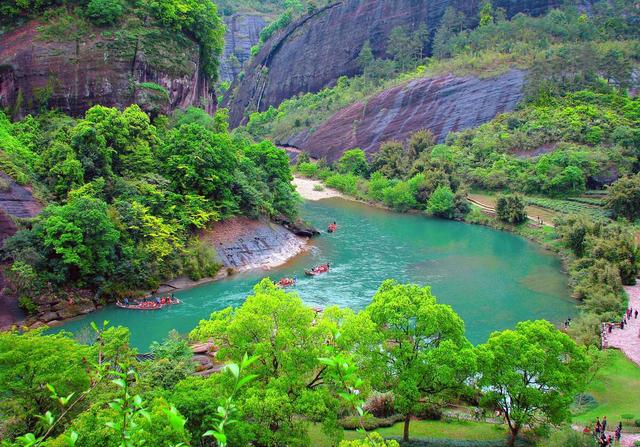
{"type": "Point", "coordinates": [493, 279]}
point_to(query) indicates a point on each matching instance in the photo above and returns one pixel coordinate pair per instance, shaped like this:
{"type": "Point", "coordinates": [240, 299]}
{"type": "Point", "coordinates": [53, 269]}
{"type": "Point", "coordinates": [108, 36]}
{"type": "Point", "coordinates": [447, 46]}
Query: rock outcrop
{"type": "Point", "coordinates": [315, 50]}
{"type": "Point", "coordinates": [243, 244]}
{"type": "Point", "coordinates": [108, 67]}
{"type": "Point", "coordinates": [242, 32]}
{"type": "Point", "coordinates": [442, 104]}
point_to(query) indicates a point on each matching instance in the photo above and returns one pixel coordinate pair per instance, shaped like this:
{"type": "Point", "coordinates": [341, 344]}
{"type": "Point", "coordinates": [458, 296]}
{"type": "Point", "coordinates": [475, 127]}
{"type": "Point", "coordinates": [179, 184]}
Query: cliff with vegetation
{"type": "Point", "coordinates": [242, 31]}
{"type": "Point", "coordinates": [440, 104]}
{"type": "Point", "coordinates": [74, 57]}
{"type": "Point", "coordinates": [315, 50]}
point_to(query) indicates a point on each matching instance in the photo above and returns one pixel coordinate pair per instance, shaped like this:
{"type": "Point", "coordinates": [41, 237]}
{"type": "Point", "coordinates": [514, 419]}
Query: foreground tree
{"type": "Point", "coordinates": [421, 351]}
{"type": "Point", "coordinates": [531, 374]}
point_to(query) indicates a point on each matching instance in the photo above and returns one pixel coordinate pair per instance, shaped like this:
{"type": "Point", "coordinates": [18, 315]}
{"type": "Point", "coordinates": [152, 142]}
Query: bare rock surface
{"type": "Point", "coordinates": [242, 32]}
{"type": "Point", "coordinates": [442, 104]}
{"type": "Point", "coordinates": [243, 244]}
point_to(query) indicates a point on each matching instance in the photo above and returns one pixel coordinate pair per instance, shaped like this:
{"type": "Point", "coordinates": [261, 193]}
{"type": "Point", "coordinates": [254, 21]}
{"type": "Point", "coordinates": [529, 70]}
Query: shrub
{"type": "Point", "coordinates": [346, 183]}
{"type": "Point", "coordinates": [399, 197]}
{"type": "Point", "coordinates": [441, 202]}
{"type": "Point", "coordinates": [380, 404]}
{"type": "Point", "coordinates": [318, 187]}
{"type": "Point", "coordinates": [510, 209]}
{"type": "Point", "coordinates": [104, 12]}
{"type": "Point", "coordinates": [369, 422]}
{"type": "Point", "coordinates": [27, 304]}
{"type": "Point", "coordinates": [307, 169]}
{"type": "Point", "coordinates": [5, 185]}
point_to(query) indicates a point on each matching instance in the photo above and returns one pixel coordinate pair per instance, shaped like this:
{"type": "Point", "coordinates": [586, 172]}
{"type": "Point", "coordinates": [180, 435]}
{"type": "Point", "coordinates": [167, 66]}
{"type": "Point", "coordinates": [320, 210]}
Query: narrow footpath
{"type": "Point", "coordinates": [627, 339]}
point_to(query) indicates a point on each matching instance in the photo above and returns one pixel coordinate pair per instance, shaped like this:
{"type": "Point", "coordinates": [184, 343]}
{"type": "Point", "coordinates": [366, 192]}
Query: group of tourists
{"type": "Point", "coordinates": [600, 432]}
{"type": "Point", "coordinates": [148, 304]}
{"type": "Point", "coordinates": [629, 314]}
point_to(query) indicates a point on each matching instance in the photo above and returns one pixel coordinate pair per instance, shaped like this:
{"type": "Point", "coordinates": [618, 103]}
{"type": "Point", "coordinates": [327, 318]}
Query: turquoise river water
{"type": "Point", "coordinates": [492, 279]}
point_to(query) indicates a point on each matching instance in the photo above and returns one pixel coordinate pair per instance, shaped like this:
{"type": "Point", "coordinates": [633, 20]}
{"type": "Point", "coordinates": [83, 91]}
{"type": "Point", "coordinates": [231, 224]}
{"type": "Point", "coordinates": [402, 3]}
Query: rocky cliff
{"type": "Point", "coordinates": [242, 32]}
{"type": "Point", "coordinates": [16, 201]}
{"type": "Point", "coordinates": [317, 49]}
{"type": "Point", "coordinates": [50, 65]}
{"type": "Point", "coordinates": [442, 104]}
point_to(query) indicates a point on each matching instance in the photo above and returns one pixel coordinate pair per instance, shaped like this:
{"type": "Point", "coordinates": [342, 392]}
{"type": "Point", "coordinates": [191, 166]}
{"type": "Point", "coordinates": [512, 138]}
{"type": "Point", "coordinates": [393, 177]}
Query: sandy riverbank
{"type": "Point", "coordinates": [305, 187]}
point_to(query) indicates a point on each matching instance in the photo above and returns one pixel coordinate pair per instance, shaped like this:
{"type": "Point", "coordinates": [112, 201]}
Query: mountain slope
{"type": "Point", "coordinates": [320, 47]}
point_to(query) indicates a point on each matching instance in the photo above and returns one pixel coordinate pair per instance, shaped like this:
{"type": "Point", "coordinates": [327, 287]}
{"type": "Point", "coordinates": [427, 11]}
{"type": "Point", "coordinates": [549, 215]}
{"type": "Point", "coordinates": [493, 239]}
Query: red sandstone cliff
{"type": "Point", "coordinates": [102, 67]}
{"type": "Point", "coordinates": [442, 104]}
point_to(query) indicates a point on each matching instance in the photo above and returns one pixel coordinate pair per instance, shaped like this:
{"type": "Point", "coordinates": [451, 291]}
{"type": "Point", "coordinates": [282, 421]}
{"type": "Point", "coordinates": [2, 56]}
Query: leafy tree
{"type": "Point", "coordinates": [199, 161]}
{"type": "Point", "coordinates": [366, 59]}
{"type": "Point", "coordinates": [60, 363]}
{"type": "Point", "coordinates": [406, 47]}
{"type": "Point", "coordinates": [624, 198]}
{"type": "Point", "coordinates": [59, 168]}
{"type": "Point", "coordinates": [104, 12]}
{"type": "Point", "coordinates": [441, 202]}
{"type": "Point", "coordinates": [511, 209]}
{"type": "Point", "coordinates": [531, 374]}
{"type": "Point", "coordinates": [353, 161]}
{"type": "Point", "coordinates": [452, 22]}
{"type": "Point", "coordinates": [486, 13]}
{"type": "Point", "coordinates": [81, 235]}
{"type": "Point", "coordinates": [277, 327]}
{"type": "Point", "coordinates": [389, 160]}
{"type": "Point", "coordinates": [419, 349]}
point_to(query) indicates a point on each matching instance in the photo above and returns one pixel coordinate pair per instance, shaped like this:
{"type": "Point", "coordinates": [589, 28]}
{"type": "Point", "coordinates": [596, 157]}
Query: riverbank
{"type": "Point", "coordinates": [311, 189]}
{"type": "Point", "coordinates": [241, 244]}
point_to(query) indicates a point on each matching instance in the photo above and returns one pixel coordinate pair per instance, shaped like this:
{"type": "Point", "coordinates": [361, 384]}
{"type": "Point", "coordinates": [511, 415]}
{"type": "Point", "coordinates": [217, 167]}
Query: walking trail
{"type": "Point", "coordinates": [627, 339]}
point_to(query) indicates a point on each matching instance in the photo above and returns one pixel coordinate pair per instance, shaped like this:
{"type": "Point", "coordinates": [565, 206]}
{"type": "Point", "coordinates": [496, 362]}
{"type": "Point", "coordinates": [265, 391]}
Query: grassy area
{"type": "Point", "coordinates": [615, 389]}
{"type": "Point", "coordinates": [458, 430]}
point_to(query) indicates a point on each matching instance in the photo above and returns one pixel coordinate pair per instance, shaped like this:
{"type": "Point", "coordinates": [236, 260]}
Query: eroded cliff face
{"type": "Point", "coordinates": [242, 32]}
{"type": "Point", "coordinates": [442, 104]}
{"type": "Point", "coordinates": [318, 48]}
{"type": "Point", "coordinates": [107, 68]}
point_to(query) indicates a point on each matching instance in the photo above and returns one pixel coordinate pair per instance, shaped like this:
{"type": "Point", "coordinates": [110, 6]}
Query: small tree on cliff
{"type": "Point", "coordinates": [366, 59]}
{"type": "Point", "coordinates": [531, 374]}
{"type": "Point", "coordinates": [421, 350]}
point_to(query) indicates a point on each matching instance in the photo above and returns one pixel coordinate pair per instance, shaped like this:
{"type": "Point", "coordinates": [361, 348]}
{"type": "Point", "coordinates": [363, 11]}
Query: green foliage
{"type": "Point", "coordinates": [511, 209]}
{"type": "Point", "coordinates": [197, 18]}
{"type": "Point", "coordinates": [104, 12]}
{"type": "Point", "coordinates": [353, 161]}
{"type": "Point", "coordinates": [424, 341]}
{"type": "Point", "coordinates": [624, 198]}
{"type": "Point", "coordinates": [441, 202]}
{"type": "Point", "coordinates": [399, 196]}
{"type": "Point", "coordinates": [307, 169]}
{"type": "Point", "coordinates": [172, 362]}
{"type": "Point", "coordinates": [532, 374]}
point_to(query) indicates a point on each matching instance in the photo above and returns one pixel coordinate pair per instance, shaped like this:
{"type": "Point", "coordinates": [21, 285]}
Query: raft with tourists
{"type": "Point", "coordinates": [148, 304]}
{"type": "Point", "coordinates": [324, 268]}
{"type": "Point", "coordinates": [286, 282]}
{"type": "Point", "coordinates": [332, 227]}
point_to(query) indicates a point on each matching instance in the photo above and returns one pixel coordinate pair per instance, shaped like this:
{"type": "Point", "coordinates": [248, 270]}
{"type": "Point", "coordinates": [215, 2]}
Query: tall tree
{"type": "Point", "coordinates": [452, 22]}
{"type": "Point", "coordinates": [420, 349]}
{"type": "Point", "coordinates": [623, 199]}
{"type": "Point", "coordinates": [531, 374]}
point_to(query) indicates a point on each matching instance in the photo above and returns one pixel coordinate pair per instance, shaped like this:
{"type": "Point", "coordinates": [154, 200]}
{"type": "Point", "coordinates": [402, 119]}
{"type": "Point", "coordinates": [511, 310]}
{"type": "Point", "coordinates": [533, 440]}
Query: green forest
{"type": "Point", "coordinates": [126, 195]}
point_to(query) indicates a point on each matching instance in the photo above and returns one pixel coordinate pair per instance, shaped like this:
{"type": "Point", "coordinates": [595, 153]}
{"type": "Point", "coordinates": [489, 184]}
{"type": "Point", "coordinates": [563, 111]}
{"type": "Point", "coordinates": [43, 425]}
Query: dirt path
{"type": "Point", "coordinates": [305, 188]}
{"type": "Point", "coordinates": [489, 207]}
{"type": "Point", "coordinates": [627, 339]}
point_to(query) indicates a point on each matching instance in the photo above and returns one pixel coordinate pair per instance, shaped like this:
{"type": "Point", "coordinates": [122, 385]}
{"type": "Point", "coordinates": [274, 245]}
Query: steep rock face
{"type": "Point", "coordinates": [317, 49]}
{"type": "Point", "coordinates": [16, 202]}
{"type": "Point", "coordinates": [104, 68]}
{"type": "Point", "coordinates": [242, 32]}
{"type": "Point", "coordinates": [442, 104]}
